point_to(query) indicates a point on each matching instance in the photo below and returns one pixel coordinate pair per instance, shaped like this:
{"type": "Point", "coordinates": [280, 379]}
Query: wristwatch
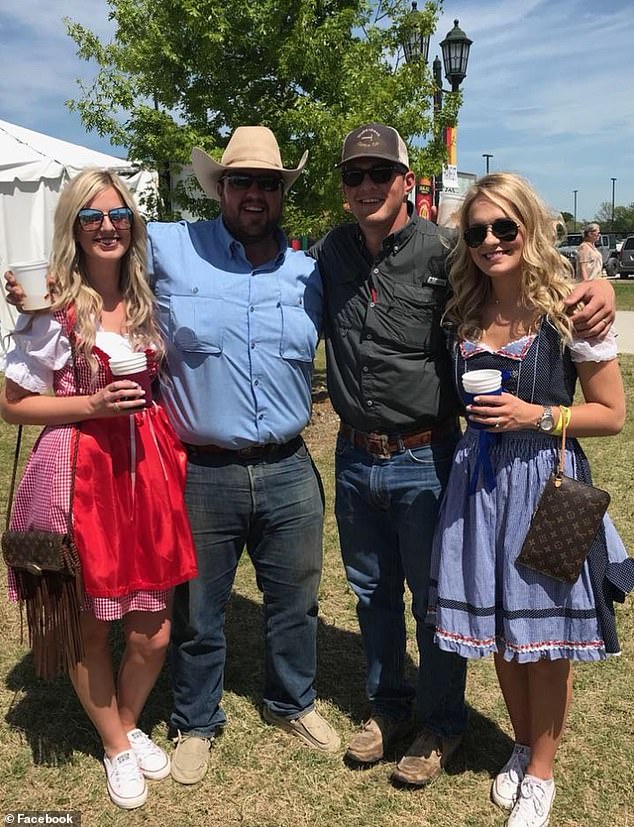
{"type": "Point", "coordinates": [546, 422]}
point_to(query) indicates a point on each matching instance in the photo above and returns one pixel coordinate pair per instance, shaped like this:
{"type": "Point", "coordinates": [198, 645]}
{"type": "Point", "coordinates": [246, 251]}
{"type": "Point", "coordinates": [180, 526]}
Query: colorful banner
{"type": "Point", "coordinates": [424, 197]}
{"type": "Point", "coordinates": [450, 144]}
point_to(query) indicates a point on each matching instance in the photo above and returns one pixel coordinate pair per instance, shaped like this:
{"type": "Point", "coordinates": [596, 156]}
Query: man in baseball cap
{"type": "Point", "coordinates": [390, 381]}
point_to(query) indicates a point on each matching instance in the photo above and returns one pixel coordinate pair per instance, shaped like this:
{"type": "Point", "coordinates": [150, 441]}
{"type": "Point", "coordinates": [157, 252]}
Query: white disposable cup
{"type": "Point", "coordinates": [133, 366]}
{"type": "Point", "coordinates": [31, 276]}
{"type": "Point", "coordinates": [119, 366]}
{"type": "Point", "coordinates": [482, 381]}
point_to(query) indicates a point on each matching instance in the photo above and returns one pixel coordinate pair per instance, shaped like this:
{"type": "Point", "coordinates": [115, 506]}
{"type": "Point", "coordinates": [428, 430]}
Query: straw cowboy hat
{"type": "Point", "coordinates": [250, 147]}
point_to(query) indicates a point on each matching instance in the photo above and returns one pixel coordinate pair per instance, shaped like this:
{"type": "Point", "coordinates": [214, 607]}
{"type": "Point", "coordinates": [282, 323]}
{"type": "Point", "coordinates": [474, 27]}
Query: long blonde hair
{"type": "Point", "coordinates": [546, 275]}
{"type": "Point", "coordinates": [68, 267]}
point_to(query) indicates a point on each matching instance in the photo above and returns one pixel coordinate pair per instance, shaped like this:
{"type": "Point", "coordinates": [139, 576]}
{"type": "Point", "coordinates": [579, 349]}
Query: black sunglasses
{"type": "Point", "coordinates": [120, 217]}
{"type": "Point", "coordinates": [353, 176]}
{"type": "Point", "coordinates": [265, 183]}
{"type": "Point", "coordinates": [504, 229]}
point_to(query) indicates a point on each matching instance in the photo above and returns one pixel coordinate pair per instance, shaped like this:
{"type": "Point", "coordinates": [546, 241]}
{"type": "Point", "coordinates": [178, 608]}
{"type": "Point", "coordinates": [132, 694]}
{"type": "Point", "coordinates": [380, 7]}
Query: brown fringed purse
{"type": "Point", "coordinates": [47, 574]}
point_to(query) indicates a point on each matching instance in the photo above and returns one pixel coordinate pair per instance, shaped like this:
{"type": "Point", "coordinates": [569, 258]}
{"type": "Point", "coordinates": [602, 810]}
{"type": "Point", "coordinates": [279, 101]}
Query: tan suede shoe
{"type": "Point", "coordinates": [190, 758]}
{"type": "Point", "coordinates": [310, 728]}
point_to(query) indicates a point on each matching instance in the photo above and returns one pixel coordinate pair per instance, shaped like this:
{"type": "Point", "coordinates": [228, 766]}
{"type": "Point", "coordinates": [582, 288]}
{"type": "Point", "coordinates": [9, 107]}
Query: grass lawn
{"type": "Point", "coordinates": [260, 777]}
{"type": "Point", "coordinates": [624, 290]}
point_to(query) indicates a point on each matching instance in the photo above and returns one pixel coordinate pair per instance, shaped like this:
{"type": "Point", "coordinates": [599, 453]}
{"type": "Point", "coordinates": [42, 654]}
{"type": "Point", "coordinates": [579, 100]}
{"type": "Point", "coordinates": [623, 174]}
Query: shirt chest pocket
{"type": "Point", "coordinates": [196, 324]}
{"type": "Point", "coordinates": [299, 337]}
{"type": "Point", "coordinates": [417, 309]}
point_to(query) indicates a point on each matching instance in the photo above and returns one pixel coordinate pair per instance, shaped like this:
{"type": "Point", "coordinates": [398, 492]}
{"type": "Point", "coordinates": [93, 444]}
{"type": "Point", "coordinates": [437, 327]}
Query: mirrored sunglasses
{"type": "Point", "coordinates": [381, 174]}
{"type": "Point", "coordinates": [504, 229]}
{"type": "Point", "coordinates": [120, 217]}
{"type": "Point", "coordinates": [265, 183]}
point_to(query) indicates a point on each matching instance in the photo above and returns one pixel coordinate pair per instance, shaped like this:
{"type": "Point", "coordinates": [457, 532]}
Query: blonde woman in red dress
{"type": "Point", "coordinates": [129, 521]}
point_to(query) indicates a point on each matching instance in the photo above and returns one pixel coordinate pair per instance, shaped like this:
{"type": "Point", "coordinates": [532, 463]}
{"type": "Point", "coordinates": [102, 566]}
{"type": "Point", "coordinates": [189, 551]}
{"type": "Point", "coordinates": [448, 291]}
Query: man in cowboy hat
{"type": "Point", "coordinates": [241, 313]}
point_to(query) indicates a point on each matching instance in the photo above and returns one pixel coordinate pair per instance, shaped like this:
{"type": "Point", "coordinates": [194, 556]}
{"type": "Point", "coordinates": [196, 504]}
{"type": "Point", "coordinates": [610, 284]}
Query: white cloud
{"type": "Point", "coordinates": [547, 94]}
{"type": "Point", "coordinates": [41, 60]}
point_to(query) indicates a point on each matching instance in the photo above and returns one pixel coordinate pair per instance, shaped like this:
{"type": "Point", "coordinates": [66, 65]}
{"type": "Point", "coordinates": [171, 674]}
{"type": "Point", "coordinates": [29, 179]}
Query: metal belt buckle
{"type": "Point", "coordinates": [378, 444]}
{"type": "Point", "coordinates": [247, 453]}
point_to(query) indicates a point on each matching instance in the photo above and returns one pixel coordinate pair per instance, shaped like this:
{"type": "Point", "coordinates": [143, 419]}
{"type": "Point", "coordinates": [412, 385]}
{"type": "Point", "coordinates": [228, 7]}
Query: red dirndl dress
{"type": "Point", "coordinates": [129, 518]}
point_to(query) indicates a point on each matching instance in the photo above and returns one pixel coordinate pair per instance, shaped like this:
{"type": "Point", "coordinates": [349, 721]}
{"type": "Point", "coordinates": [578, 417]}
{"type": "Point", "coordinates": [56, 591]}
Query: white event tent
{"type": "Point", "coordinates": [33, 171]}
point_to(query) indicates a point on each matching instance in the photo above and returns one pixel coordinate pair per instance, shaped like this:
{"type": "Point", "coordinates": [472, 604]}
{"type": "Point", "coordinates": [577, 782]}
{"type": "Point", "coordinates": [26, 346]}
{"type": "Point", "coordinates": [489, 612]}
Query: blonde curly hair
{"type": "Point", "coordinates": [68, 267]}
{"type": "Point", "coordinates": [547, 277]}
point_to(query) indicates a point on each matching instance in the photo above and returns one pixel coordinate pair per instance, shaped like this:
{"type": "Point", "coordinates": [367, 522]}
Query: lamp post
{"type": "Point", "coordinates": [612, 218]}
{"type": "Point", "coordinates": [574, 192]}
{"type": "Point", "coordinates": [415, 39]}
{"type": "Point", "coordinates": [487, 156]}
{"type": "Point", "coordinates": [455, 54]}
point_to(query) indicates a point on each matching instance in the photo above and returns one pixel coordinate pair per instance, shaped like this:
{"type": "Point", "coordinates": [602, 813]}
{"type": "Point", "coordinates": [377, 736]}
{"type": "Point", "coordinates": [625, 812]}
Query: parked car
{"type": "Point", "coordinates": [626, 258]}
{"type": "Point", "coordinates": [611, 266]}
{"type": "Point", "coordinates": [606, 244]}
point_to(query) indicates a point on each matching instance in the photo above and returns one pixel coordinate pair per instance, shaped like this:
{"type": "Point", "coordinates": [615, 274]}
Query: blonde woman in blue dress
{"type": "Point", "coordinates": [507, 312]}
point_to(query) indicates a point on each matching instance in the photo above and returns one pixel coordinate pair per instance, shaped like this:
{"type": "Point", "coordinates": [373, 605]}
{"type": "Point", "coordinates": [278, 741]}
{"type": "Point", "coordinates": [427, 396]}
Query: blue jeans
{"type": "Point", "coordinates": [272, 506]}
{"type": "Point", "coordinates": [386, 513]}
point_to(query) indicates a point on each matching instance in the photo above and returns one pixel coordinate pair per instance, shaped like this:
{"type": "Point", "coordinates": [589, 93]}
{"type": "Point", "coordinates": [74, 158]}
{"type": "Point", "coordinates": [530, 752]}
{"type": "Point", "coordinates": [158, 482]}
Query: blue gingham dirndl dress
{"type": "Point", "coordinates": [480, 601]}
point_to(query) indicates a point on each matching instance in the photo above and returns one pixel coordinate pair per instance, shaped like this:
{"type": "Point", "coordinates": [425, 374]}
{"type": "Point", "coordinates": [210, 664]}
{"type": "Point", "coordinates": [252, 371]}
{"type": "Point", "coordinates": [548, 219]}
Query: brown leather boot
{"type": "Point", "coordinates": [425, 759]}
{"type": "Point", "coordinates": [377, 735]}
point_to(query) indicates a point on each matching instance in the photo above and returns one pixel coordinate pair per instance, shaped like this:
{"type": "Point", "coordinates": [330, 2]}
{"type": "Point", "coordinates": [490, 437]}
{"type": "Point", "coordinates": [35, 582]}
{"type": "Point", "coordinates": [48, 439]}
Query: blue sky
{"type": "Point", "coordinates": [548, 91]}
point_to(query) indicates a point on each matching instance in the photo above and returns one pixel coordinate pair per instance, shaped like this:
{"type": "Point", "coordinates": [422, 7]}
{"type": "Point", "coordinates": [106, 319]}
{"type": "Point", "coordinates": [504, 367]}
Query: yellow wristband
{"type": "Point", "coordinates": [564, 416]}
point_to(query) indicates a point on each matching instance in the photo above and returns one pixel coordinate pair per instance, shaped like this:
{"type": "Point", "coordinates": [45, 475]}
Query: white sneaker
{"type": "Point", "coordinates": [153, 761]}
{"type": "Point", "coordinates": [126, 784]}
{"type": "Point", "coordinates": [506, 784]}
{"type": "Point", "coordinates": [534, 802]}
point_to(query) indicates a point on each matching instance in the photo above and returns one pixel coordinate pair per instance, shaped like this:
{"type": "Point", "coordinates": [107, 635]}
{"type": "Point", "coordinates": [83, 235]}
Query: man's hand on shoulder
{"type": "Point", "coordinates": [598, 311]}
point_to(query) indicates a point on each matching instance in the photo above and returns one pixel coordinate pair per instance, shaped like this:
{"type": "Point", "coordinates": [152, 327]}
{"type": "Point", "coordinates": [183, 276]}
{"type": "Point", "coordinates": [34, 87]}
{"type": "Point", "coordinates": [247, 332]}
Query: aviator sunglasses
{"type": "Point", "coordinates": [120, 217]}
{"type": "Point", "coordinates": [265, 183]}
{"type": "Point", "coordinates": [353, 177]}
{"type": "Point", "coordinates": [504, 229]}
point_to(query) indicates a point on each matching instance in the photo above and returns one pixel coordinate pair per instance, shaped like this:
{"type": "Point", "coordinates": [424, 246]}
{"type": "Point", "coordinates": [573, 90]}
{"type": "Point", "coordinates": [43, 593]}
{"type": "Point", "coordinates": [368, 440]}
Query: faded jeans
{"type": "Point", "coordinates": [386, 513]}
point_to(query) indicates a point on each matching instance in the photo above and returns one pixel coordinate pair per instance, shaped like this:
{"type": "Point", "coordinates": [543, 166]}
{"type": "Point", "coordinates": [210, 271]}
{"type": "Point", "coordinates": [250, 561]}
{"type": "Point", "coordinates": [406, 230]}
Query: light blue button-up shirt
{"type": "Point", "coordinates": [240, 340]}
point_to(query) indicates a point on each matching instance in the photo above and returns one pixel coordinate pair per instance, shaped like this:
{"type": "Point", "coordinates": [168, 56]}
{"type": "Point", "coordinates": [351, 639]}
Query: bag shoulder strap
{"type": "Point", "coordinates": [16, 457]}
{"type": "Point", "coordinates": [562, 447]}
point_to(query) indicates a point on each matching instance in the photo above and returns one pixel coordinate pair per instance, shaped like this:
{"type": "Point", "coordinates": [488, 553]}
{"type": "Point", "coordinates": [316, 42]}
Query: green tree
{"type": "Point", "coordinates": [183, 73]}
{"type": "Point", "coordinates": [623, 218]}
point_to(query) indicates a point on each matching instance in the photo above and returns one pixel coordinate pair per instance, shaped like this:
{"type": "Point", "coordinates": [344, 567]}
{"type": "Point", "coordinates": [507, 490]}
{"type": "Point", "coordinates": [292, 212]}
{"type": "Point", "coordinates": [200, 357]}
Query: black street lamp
{"type": "Point", "coordinates": [487, 156]}
{"type": "Point", "coordinates": [455, 54]}
{"type": "Point", "coordinates": [574, 192]}
{"type": "Point", "coordinates": [414, 37]}
{"type": "Point", "coordinates": [612, 220]}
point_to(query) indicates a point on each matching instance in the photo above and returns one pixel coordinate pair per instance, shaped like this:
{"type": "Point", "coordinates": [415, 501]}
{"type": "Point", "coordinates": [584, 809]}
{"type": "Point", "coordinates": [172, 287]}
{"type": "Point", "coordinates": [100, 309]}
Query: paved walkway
{"type": "Point", "coordinates": [624, 327]}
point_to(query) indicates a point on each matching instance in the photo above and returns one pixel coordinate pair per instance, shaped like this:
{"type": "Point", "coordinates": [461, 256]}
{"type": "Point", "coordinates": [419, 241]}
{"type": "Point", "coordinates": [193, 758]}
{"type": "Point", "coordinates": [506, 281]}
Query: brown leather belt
{"type": "Point", "coordinates": [384, 445]}
{"type": "Point", "coordinates": [252, 452]}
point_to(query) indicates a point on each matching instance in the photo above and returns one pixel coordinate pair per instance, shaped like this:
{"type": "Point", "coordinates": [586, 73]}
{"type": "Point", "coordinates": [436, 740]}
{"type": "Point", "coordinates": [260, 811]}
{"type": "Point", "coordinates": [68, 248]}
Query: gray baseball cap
{"type": "Point", "coordinates": [374, 140]}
